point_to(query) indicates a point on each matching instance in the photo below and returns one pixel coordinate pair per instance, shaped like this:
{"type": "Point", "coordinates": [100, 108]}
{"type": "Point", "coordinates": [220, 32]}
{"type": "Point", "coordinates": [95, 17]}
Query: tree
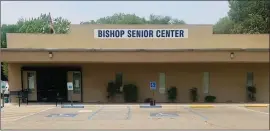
{"type": "Point", "coordinates": [224, 26]}
{"type": "Point", "coordinates": [33, 25]}
{"type": "Point", "coordinates": [41, 25]}
{"type": "Point", "coordinates": [158, 19]}
{"type": "Point", "coordinates": [246, 17]}
{"type": "Point", "coordinates": [7, 29]}
{"type": "Point", "coordinates": [121, 18]}
{"type": "Point", "coordinates": [250, 16]}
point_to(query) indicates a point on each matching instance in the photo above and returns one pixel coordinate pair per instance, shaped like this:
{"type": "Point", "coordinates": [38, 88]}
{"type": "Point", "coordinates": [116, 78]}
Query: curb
{"type": "Point", "coordinates": [201, 106]}
{"type": "Point", "coordinates": [256, 105]}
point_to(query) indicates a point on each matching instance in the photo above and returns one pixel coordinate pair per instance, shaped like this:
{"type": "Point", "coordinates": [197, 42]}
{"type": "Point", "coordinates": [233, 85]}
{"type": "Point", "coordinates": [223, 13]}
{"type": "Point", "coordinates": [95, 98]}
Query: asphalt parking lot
{"type": "Point", "coordinates": [134, 117]}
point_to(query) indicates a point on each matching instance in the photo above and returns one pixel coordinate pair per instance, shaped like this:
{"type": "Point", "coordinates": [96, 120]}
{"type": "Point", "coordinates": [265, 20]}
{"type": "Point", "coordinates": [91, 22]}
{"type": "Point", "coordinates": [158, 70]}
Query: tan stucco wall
{"type": "Point", "coordinates": [227, 81]}
{"type": "Point", "coordinates": [135, 57]}
{"type": "Point", "coordinates": [82, 36]}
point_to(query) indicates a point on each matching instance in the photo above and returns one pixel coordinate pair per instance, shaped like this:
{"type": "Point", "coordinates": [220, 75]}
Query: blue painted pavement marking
{"type": "Point", "coordinates": [165, 114]}
{"type": "Point", "coordinates": [72, 106]}
{"type": "Point", "coordinates": [62, 115]}
{"type": "Point", "coordinates": [149, 106]}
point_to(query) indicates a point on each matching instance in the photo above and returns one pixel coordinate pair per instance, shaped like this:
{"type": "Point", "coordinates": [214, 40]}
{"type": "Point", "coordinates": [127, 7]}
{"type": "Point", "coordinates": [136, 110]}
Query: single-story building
{"type": "Point", "coordinates": [183, 56]}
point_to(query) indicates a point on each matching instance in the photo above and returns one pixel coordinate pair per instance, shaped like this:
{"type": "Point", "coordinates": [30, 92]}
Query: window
{"type": "Point", "coordinates": [162, 82]}
{"type": "Point", "coordinates": [206, 82]}
{"type": "Point", "coordinates": [77, 82]}
{"type": "Point", "coordinates": [250, 79]}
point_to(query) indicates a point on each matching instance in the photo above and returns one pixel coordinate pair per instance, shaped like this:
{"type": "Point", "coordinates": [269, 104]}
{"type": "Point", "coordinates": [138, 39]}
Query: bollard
{"type": "Point", "coordinates": [19, 102]}
{"type": "Point", "coordinates": [151, 102]}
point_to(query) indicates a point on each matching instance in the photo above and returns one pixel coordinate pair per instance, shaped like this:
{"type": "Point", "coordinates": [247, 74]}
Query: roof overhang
{"type": "Point", "coordinates": [16, 55]}
{"type": "Point", "coordinates": [127, 50]}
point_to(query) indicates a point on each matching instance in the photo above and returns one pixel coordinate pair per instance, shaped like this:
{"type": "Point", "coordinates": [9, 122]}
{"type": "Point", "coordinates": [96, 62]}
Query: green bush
{"type": "Point", "coordinates": [194, 94]}
{"type": "Point", "coordinates": [130, 93]}
{"type": "Point", "coordinates": [172, 93]}
{"type": "Point", "coordinates": [252, 91]}
{"type": "Point", "coordinates": [111, 89]}
{"type": "Point", "coordinates": [210, 99]}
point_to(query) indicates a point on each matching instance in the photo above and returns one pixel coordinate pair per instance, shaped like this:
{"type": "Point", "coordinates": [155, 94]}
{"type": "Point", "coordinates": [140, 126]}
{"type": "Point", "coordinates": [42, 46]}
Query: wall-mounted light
{"type": "Point", "coordinates": [50, 54]}
{"type": "Point", "coordinates": [232, 55]}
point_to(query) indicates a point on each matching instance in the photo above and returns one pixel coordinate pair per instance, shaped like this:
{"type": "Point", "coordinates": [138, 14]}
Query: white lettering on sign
{"type": "Point", "coordinates": [140, 33]}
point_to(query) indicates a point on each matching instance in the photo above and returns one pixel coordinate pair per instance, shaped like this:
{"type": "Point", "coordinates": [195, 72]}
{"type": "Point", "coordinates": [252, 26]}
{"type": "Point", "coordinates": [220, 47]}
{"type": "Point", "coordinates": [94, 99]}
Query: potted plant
{"type": "Point", "coordinates": [111, 89]}
{"type": "Point", "coordinates": [194, 94]}
{"type": "Point", "coordinates": [172, 93]}
{"type": "Point", "coordinates": [251, 93]}
{"type": "Point", "coordinates": [130, 93]}
{"type": "Point", "coordinates": [210, 99]}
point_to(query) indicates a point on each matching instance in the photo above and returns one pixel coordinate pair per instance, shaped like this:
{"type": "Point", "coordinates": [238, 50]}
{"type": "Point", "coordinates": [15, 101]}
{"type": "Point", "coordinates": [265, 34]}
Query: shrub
{"type": "Point", "coordinates": [111, 89]}
{"type": "Point", "coordinates": [130, 93]}
{"type": "Point", "coordinates": [172, 93]}
{"type": "Point", "coordinates": [194, 94]}
{"type": "Point", "coordinates": [210, 99]}
{"type": "Point", "coordinates": [252, 91]}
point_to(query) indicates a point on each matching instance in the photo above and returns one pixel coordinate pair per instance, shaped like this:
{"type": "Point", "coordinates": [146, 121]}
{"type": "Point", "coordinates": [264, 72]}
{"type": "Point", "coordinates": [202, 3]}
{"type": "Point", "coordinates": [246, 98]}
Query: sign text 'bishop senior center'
{"type": "Point", "coordinates": [140, 33]}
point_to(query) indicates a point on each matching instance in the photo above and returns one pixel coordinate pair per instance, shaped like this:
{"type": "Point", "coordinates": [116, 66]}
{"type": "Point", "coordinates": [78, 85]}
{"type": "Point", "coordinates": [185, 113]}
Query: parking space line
{"type": "Point", "coordinates": [243, 108]}
{"type": "Point", "coordinates": [128, 113]}
{"type": "Point", "coordinates": [93, 114]}
{"type": "Point", "coordinates": [34, 113]}
{"type": "Point", "coordinates": [198, 114]}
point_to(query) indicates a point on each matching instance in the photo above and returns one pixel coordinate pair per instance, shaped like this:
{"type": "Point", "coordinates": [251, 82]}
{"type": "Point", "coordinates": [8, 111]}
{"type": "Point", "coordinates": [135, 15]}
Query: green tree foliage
{"type": "Point", "coordinates": [33, 25]}
{"type": "Point", "coordinates": [41, 25]}
{"type": "Point", "coordinates": [121, 18]}
{"type": "Point", "coordinates": [246, 17]}
{"type": "Point", "coordinates": [7, 29]}
{"type": "Point", "coordinates": [224, 26]}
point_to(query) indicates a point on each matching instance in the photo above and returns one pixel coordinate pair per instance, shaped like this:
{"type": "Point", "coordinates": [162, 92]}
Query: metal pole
{"type": "Point", "coordinates": [153, 97]}
{"type": "Point", "coordinates": [71, 97]}
{"type": "Point", "coordinates": [3, 98]}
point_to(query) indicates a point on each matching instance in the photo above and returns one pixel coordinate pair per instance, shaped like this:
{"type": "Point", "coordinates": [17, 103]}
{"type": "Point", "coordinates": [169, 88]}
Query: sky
{"type": "Point", "coordinates": [192, 12]}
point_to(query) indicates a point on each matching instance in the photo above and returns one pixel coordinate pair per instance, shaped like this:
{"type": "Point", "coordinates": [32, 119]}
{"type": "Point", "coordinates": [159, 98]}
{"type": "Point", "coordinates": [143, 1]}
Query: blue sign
{"type": "Point", "coordinates": [140, 33]}
{"type": "Point", "coordinates": [153, 85]}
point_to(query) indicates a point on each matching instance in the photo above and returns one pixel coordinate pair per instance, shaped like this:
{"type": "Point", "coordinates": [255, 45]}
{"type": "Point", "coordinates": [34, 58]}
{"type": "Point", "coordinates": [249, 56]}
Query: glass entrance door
{"type": "Point", "coordinates": [75, 78]}
{"type": "Point", "coordinates": [30, 84]}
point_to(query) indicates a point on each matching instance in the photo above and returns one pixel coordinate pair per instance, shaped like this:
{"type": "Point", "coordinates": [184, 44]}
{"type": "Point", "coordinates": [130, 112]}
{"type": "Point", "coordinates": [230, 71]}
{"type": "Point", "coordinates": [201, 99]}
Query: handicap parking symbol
{"type": "Point", "coordinates": [62, 115]}
{"type": "Point", "coordinates": [153, 85]}
{"type": "Point", "coordinates": [164, 114]}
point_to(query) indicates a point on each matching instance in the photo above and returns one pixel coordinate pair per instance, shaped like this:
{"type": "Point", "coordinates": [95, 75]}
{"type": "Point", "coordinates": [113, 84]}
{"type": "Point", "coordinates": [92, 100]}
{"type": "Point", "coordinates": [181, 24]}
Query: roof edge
{"type": "Point", "coordinates": [127, 50]}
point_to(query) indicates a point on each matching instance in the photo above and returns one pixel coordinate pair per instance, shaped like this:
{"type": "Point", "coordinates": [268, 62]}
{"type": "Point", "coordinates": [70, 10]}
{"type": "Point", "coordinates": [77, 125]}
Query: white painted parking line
{"type": "Point", "coordinates": [33, 114]}
{"type": "Point", "coordinates": [243, 108]}
{"type": "Point", "coordinates": [82, 111]}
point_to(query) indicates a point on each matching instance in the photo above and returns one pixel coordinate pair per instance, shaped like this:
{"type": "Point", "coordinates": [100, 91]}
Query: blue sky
{"type": "Point", "coordinates": [192, 12]}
